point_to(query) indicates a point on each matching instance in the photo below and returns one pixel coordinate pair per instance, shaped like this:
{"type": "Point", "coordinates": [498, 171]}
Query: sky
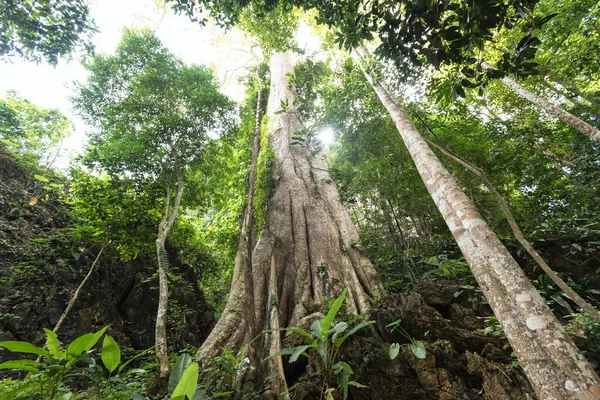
{"type": "Point", "coordinates": [227, 53]}
{"type": "Point", "coordinates": [50, 87]}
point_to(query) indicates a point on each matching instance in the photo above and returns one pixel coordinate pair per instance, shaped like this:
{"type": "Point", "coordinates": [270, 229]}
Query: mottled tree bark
{"type": "Point", "coordinates": [307, 249]}
{"type": "Point", "coordinates": [164, 228]}
{"type": "Point", "coordinates": [576, 298]}
{"type": "Point", "coordinates": [549, 358]}
{"type": "Point", "coordinates": [580, 125]}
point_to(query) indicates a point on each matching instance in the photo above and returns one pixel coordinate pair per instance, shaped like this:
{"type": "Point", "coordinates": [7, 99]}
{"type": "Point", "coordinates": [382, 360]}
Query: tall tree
{"type": "Point", "coordinates": [153, 115]}
{"type": "Point", "coordinates": [577, 123]}
{"type": "Point", "coordinates": [308, 248]}
{"type": "Point", "coordinates": [551, 361]}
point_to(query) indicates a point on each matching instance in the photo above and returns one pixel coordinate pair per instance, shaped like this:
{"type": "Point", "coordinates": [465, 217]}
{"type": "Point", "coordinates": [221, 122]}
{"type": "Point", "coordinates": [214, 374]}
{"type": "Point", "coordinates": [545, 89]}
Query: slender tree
{"type": "Point", "coordinates": [577, 123]}
{"type": "Point", "coordinates": [152, 115]}
{"type": "Point", "coordinates": [551, 361]}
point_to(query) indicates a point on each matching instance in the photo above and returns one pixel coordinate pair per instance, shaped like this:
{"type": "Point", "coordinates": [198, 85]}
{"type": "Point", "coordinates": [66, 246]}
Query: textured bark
{"type": "Point", "coordinates": [580, 125]}
{"type": "Point", "coordinates": [164, 228]}
{"type": "Point", "coordinates": [307, 248]}
{"type": "Point", "coordinates": [549, 358]}
{"type": "Point", "coordinates": [580, 301]}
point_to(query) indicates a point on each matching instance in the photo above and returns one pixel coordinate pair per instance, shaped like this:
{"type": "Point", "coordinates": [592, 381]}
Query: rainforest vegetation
{"type": "Point", "coordinates": [409, 210]}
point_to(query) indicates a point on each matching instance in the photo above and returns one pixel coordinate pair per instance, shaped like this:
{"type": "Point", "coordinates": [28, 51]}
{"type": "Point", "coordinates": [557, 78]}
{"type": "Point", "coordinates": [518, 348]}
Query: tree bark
{"type": "Point", "coordinates": [164, 228]}
{"type": "Point", "coordinates": [580, 125]}
{"type": "Point", "coordinates": [306, 252]}
{"type": "Point", "coordinates": [584, 305]}
{"type": "Point", "coordinates": [549, 358]}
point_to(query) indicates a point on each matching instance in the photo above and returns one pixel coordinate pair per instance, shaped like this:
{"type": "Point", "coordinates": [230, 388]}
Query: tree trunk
{"type": "Point", "coordinates": [580, 301]}
{"type": "Point", "coordinates": [583, 127]}
{"type": "Point", "coordinates": [552, 363]}
{"type": "Point", "coordinates": [306, 252]}
{"type": "Point", "coordinates": [164, 228]}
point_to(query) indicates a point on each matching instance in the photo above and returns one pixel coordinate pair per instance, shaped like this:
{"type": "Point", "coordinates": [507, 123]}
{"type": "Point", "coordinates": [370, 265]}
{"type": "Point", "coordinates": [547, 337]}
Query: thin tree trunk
{"type": "Point", "coordinates": [62, 318]}
{"type": "Point", "coordinates": [549, 358]}
{"type": "Point", "coordinates": [305, 253]}
{"type": "Point", "coordinates": [73, 299]}
{"type": "Point", "coordinates": [164, 228]}
{"type": "Point", "coordinates": [580, 125]}
{"type": "Point", "coordinates": [584, 305]}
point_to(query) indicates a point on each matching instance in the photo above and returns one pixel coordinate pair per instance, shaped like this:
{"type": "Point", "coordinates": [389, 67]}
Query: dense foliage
{"type": "Point", "coordinates": [155, 119]}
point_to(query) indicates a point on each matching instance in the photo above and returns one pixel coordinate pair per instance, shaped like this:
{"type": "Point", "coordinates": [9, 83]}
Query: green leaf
{"type": "Point", "coordinates": [83, 344]}
{"type": "Point", "coordinates": [23, 347]}
{"type": "Point", "coordinates": [181, 365]}
{"type": "Point", "coordinates": [41, 178]}
{"type": "Point", "coordinates": [186, 388]}
{"type": "Point", "coordinates": [298, 351]}
{"type": "Point", "coordinates": [340, 327]}
{"type": "Point", "coordinates": [54, 347]}
{"type": "Point", "coordinates": [418, 349]}
{"type": "Point", "coordinates": [111, 354]}
{"type": "Point", "coordinates": [283, 352]}
{"type": "Point", "coordinates": [394, 350]}
{"type": "Point", "coordinates": [21, 365]}
{"type": "Point", "coordinates": [356, 384]}
{"type": "Point", "coordinates": [335, 307]}
{"type": "Point", "coordinates": [315, 328]}
{"type": "Point", "coordinates": [299, 331]}
{"type": "Point", "coordinates": [338, 342]}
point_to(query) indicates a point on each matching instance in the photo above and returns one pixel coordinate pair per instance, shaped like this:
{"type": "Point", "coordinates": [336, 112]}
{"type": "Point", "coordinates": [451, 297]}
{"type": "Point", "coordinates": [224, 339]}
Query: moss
{"type": "Point", "coordinates": [264, 179]}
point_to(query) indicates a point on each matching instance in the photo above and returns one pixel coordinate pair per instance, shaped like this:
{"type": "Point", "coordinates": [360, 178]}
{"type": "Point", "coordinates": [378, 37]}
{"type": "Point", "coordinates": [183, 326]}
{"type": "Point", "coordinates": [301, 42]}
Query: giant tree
{"type": "Point", "coordinates": [152, 116]}
{"type": "Point", "coordinates": [308, 248]}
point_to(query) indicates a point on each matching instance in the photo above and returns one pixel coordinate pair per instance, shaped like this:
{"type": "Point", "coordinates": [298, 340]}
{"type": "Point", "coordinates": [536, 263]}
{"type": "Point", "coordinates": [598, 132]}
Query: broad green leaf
{"type": "Point", "coordinates": [41, 178]}
{"type": "Point", "coordinates": [340, 327]}
{"type": "Point", "coordinates": [21, 365]}
{"type": "Point", "coordinates": [23, 347]}
{"type": "Point", "coordinates": [181, 365]}
{"type": "Point", "coordinates": [54, 347]}
{"type": "Point", "coordinates": [394, 350]}
{"type": "Point", "coordinates": [335, 307]}
{"type": "Point", "coordinates": [111, 354]}
{"type": "Point", "coordinates": [315, 328]}
{"type": "Point", "coordinates": [298, 351]}
{"type": "Point", "coordinates": [186, 388]}
{"type": "Point", "coordinates": [418, 349]}
{"type": "Point", "coordinates": [83, 344]}
{"type": "Point", "coordinates": [340, 341]}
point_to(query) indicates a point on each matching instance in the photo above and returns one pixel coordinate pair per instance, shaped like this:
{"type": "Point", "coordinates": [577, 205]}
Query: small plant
{"type": "Point", "coordinates": [326, 341]}
{"type": "Point", "coordinates": [47, 375]}
{"type": "Point", "coordinates": [450, 268]}
{"type": "Point", "coordinates": [222, 373]}
{"type": "Point", "coordinates": [493, 327]}
{"type": "Point", "coordinates": [416, 346]}
{"type": "Point", "coordinates": [54, 365]}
